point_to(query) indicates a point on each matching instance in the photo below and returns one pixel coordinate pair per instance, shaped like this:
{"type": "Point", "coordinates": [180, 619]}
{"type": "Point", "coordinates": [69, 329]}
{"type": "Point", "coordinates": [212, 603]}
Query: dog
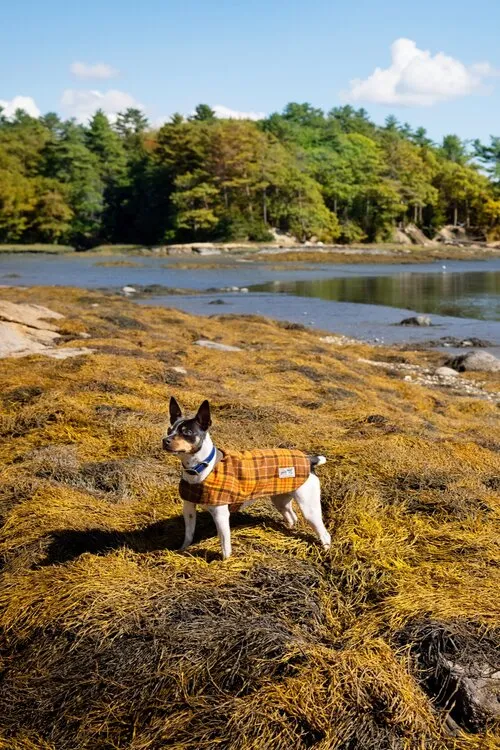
{"type": "Point", "coordinates": [224, 481]}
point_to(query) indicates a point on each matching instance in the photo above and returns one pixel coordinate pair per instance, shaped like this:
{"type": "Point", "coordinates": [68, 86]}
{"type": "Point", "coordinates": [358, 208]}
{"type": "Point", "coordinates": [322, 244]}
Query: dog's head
{"type": "Point", "coordinates": [186, 435]}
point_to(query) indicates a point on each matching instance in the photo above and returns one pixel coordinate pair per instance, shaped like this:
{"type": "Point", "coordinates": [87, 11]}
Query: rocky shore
{"type": "Point", "coordinates": [389, 640]}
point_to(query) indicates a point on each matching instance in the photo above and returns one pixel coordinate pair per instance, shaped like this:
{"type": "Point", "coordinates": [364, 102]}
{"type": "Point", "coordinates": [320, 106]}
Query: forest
{"type": "Point", "coordinates": [336, 177]}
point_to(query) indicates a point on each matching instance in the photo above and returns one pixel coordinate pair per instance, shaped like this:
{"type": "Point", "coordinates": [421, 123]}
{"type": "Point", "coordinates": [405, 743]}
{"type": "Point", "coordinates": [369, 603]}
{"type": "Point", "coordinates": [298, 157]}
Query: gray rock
{"type": "Point", "coordinates": [64, 352]}
{"type": "Point", "coordinates": [17, 340]}
{"type": "Point", "coordinates": [477, 690]}
{"type": "Point", "coordinates": [474, 361]}
{"type": "Point", "coordinates": [34, 316]}
{"type": "Point", "coordinates": [416, 320]}
{"type": "Point", "coordinates": [446, 372]}
{"type": "Point", "coordinates": [24, 330]}
{"type": "Point", "coordinates": [215, 345]}
{"type": "Point", "coordinates": [205, 249]}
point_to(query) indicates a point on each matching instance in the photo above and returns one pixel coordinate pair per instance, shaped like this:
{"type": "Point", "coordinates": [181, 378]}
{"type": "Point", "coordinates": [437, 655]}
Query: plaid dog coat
{"type": "Point", "coordinates": [242, 476]}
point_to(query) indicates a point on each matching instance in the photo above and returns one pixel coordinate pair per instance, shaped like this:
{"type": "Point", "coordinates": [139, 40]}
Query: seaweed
{"type": "Point", "coordinates": [111, 639]}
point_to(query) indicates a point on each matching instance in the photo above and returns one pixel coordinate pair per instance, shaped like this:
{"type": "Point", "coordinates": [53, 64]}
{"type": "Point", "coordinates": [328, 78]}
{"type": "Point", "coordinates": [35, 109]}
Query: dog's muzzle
{"type": "Point", "coordinates": [166, 444]}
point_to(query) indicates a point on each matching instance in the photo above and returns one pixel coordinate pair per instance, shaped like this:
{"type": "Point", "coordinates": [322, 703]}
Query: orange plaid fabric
{"type": "Point", "coordinates": [239, 477]}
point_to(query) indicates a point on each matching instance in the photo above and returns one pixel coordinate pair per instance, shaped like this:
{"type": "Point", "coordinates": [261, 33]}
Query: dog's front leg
{"type": "Point", "coordinates": [189, 512]}
{"type": "Point", "coordinates": [220, 514]}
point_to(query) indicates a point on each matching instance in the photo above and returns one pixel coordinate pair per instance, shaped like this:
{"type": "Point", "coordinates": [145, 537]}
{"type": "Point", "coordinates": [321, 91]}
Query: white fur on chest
{"type": "Point", "coordinates": [189, 462]}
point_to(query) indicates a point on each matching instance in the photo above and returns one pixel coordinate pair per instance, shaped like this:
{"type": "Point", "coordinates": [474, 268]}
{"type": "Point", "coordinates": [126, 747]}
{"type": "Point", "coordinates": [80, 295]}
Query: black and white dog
{"type": "Point", "coordinates": [189, 439]}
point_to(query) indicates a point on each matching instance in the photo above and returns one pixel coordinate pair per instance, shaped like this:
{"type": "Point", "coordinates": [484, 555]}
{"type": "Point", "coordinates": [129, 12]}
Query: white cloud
{"type": "Point", "coordinates": [232, 114]}
{"type": "Point", "coordinates": [99, 70]}
{"type": "Point", "coordinates": [419, 79]}
{"type": "Point", "coordinates": [158, 122]}
{"type": "Point", "coordinates": [82, 103]}
{"type": "Point", "coordinates": [20, 102]}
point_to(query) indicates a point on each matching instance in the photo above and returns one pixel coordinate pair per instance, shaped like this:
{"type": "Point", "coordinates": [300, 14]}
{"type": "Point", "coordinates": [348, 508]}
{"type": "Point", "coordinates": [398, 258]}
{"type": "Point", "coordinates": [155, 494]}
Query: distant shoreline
{"type": "Point", "coordinates": [274, 252]}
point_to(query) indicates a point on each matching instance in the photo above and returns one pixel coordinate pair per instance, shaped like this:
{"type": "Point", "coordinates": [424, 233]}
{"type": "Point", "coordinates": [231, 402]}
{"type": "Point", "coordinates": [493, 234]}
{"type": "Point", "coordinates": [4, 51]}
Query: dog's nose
{"type": "Point", "coordinates": [166, 443]}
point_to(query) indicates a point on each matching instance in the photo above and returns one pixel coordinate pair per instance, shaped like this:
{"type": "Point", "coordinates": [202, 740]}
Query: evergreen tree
{"type": "Point", "coordinates": [203, 113]}
{"type": "Point", "coordinates": [489, 156]}
{"type": "Point", "coordinates": [68, 159]}
{"type": "Point", "coordinates": [455, 150]}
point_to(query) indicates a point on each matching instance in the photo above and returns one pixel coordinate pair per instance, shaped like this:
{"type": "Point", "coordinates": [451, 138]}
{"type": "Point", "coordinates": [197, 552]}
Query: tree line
{"type": "Point", "coordinates": [335, 176]}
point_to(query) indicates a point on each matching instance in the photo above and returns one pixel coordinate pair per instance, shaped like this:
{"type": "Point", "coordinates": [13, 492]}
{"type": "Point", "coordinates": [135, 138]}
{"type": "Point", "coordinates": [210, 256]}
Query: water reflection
{"type": "Point", "coordinates": [465, 295]}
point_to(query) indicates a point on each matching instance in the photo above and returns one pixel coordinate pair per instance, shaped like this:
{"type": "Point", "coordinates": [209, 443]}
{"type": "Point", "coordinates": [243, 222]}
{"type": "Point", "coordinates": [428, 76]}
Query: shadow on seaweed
{"type": "Point", "coordinates": [66, 545]}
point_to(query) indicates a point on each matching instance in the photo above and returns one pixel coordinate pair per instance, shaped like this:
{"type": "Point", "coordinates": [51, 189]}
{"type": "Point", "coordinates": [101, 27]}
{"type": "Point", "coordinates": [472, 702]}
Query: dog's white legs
{"type": "Point", "coordinates": [220, 514]}
{"type": "Point", "coordinates": [283, 503]}
{"type": "Point", "coordinates": [308, 498]}
{"type": "Point", "coordinates": [189, 512]}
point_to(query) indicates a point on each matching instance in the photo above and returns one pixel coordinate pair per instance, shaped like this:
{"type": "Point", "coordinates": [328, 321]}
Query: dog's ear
{"type": "Point", "coordinates": [203, 416]}
{"type": "Point", "coordinates": [175, 410]}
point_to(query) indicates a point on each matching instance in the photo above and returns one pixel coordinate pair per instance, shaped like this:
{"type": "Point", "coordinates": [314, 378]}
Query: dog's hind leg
{"type": "Point", "coordinates": [220, 514]}
{"type": "Point", "coordinates": [189, 512]}
{"type": "Point", "coordinates": [283, 503]}
{"type": "Point", "coordinates": [308, 498]}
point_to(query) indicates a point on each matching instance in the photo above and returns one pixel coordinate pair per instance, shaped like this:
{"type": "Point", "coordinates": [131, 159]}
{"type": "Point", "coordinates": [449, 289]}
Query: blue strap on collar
{"type": "Point", "coordinates": [203, 465]}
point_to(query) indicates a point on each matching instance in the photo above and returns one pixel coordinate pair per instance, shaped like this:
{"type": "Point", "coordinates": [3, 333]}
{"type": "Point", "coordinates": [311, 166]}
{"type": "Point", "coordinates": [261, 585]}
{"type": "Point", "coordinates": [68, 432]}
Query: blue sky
{"type": "Point", "coordinates": [256, 56]}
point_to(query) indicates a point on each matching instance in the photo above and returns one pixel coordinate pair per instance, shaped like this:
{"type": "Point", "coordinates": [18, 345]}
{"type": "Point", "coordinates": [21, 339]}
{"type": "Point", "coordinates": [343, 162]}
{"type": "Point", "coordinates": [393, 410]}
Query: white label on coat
{"type": "Point", "coordinates": [287, 472]}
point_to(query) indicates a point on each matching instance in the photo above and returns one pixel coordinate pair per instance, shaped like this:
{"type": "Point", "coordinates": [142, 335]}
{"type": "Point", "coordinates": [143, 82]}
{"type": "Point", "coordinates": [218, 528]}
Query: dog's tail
{"type": "Point", "coordinates": [316, 461]}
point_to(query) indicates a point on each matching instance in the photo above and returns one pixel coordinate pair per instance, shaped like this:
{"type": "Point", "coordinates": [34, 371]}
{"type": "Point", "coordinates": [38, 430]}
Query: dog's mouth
{"type": "Point", "coordinates": [175, 449]}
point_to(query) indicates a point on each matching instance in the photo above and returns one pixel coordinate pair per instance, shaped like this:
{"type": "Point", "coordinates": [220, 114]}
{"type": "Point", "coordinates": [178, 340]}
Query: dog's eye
{"type": "Point", "coordinates": [187, 432]}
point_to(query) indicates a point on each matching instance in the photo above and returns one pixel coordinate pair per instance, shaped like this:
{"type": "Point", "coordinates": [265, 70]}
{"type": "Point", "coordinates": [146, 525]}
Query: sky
{"type": "Point", "coordinates": [434, 64]}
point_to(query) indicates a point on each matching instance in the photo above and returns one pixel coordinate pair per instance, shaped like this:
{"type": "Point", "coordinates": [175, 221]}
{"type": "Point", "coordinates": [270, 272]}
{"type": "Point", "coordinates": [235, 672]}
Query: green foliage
{"type": "Point", "coordinates": [490, 156]}
{"type": "Point", "coordinates": [455, 149]}
{"type": "Point", "coordinates": [334, 176]}
{"type": "Point", "coordinates": [203, 112]}
{"type": "Point", "coordinates": [350, 232]}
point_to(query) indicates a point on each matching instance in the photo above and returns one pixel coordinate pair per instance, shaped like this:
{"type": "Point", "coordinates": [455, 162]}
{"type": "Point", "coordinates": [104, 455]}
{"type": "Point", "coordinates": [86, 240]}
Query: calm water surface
{"type": "Point", "coordinates": [475, 294]}
{"type": "Point", "coordinates": [365, 301]}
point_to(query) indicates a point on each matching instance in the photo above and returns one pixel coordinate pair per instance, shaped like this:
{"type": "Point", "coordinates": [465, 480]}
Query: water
{"type": "Point", "coordinates": [365, 301]}
{"type": "Point", "coordinates": [465, 295]}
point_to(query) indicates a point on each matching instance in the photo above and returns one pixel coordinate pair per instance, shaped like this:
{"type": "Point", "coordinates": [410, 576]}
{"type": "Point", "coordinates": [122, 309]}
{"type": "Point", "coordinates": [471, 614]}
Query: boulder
{"type": "Point", "coordinates": [215, 345]}
{"type": "Point", "coordinates": [417, 236]}
{"type": "Point", "coordinates": [416, 320]}
{"type": "Point", "coordinates": [400, 237]}
{"type": "Point", "coordinates": [34, 316]}
{"type": "Point", "coordinates": [17, 340]}
{"type": "Point", "coordinates": [452, 235]}
{"type": "Point", "coordinates": [458, 665]}
{"type": "Point", "coordinates": [446, 372]}
{"type": "Point", "coordinates": [284, 240]}
{"type": "Point", "coordinates": [474, 361]}
{"type": "Point", "coordinates": [25, 330]}
{"type": "Point", "coordinates": [410, 235]}
{"type": "Point", "coordinates": [477, 690]}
